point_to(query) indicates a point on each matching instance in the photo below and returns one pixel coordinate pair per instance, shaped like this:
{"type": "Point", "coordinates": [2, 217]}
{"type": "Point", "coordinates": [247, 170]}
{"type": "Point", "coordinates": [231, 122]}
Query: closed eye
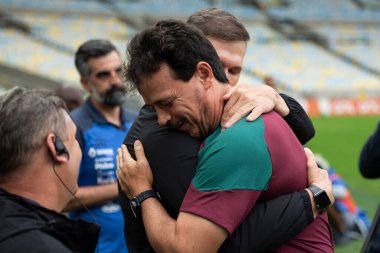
{"type": "Point", "coordinates": [165, 103]}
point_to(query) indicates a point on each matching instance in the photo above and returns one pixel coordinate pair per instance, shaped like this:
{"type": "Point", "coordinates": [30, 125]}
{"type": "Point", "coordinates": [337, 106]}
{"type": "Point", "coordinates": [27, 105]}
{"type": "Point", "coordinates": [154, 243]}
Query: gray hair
{"type": "Point", "coordinates": [27, 116]}
{"type": "Point", "coordinates": [91, 49]}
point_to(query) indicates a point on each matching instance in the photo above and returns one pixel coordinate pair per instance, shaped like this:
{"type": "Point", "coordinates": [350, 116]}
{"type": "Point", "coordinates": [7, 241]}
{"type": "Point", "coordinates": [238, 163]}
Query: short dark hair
{"type": "Point", "coordinates": [27, 116]}
{"type": "Point", "coordinates": [172, 42]}
{"type": "Point", "coordinates": [219, 24]}
{"type": "Point", "coordinates": [91, 49]}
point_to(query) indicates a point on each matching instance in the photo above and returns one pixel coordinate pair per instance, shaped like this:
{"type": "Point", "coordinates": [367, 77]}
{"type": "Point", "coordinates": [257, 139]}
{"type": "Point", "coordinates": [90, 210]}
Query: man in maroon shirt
{"type": "Point", "coordinates": [188, 96]}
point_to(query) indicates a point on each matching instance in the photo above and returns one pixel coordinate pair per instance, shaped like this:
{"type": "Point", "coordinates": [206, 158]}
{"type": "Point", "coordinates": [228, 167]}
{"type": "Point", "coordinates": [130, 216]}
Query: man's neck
{"type": "Point", "coordinates": [44, 197]}
{"type": "Point", "coordinates": [216, 108]}
{"type": "Point", "coordinates": [39, 183]}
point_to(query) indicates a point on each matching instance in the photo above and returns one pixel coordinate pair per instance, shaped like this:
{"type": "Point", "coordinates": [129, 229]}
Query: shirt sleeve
{"type": "Point", "coordinates": [298, 120]}
{"type": "Point", "coordinates": [234, 168]}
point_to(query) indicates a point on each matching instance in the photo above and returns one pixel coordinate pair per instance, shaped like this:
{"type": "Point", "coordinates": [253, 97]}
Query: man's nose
{"type": "Point", "coordinates": [163, 117]}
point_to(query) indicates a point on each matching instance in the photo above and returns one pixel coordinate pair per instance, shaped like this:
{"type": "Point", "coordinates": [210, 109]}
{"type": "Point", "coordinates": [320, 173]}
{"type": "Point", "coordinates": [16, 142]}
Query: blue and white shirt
{"type": "Point", "coordinates": [99, 141]}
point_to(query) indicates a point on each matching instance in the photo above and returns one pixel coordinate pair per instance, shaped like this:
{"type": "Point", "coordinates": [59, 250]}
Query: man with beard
{"type": "Point", "coordinates": [102, 124]}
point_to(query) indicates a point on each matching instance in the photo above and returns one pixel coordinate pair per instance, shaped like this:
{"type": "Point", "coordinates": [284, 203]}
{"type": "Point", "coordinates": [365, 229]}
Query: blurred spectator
{"type": "Point", "coordinates": [369, 163]}
{"type": "Point", "coordinates": [39, 159]}
{"type": "Point", "coordinates": [103, 123]}
{"type": "Point", "coordinates": [73, 97]}
{"type": "Point", "coordinates": [347, 220]}
{"type": "Point", "coordinates": [269, 80]}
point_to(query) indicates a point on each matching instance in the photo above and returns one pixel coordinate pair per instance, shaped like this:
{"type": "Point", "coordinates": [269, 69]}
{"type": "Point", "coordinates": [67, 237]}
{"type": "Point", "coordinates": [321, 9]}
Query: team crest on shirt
{"type": "Point", "coordinates": [91, 152]}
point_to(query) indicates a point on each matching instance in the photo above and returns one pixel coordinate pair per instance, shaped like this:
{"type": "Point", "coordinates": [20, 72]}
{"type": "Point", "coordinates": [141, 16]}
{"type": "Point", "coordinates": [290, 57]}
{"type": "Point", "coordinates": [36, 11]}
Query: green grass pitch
{"type": "Point", "coordinates": [340, 139]}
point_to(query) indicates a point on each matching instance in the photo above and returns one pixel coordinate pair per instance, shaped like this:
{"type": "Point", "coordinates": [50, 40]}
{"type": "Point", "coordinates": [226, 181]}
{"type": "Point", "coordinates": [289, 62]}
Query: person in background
{"type": "Point", "coordinates": [102, 124]}
{"type": "Point", "coordinates": [269, 80]}
{"type": "Point", "coordinates": [369, 166]}
{"type": "Point", "coordinates": [39, 159]}
{"type": "Point", "coordinates": [347, 219]}
{"type": "Point", "coordinates": [73, 96]}
{"type": "Point", "coordinates": [369, 162]}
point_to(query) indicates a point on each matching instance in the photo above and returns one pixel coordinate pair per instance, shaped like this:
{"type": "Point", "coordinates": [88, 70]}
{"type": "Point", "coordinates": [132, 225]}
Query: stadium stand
{"type": "Point", "coordinates": [60, 6]}
{"type": "Point", "coordinates": [22, 51]}
{"type": "Point", "coordinates": [359, 41]}
{"type": "Point", "coordinates": [321, 10]}
{"type": "Point", "coordinates": [308, 69]}
{"type": "Point", "coordinates": [183, 8]}
{"type": "Point", "coordinates": [71, 31]}
{"type": "Point", "coordinates": [314, 48]}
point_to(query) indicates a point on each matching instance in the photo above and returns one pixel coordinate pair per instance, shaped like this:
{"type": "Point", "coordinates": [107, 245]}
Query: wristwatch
{"type": "Point", "coordinates": [135, 202]}
{"type": "Point", "coordinates": [321, 199]}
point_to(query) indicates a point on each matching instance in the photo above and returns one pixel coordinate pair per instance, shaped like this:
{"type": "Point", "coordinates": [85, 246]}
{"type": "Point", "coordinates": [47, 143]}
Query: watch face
{"type": "Point", "coordinates": [322, 200]}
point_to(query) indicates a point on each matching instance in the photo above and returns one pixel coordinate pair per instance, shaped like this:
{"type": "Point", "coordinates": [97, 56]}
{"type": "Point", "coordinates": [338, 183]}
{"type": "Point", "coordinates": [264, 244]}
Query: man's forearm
{"type": "Point", "coordinates": [189, 233]}
{"type": "Point", "coordinates": [93, 195]}
{"type": "Point", "coordinates": [298, 120]}
{"type": "Point", "coordinates": [158, 225]}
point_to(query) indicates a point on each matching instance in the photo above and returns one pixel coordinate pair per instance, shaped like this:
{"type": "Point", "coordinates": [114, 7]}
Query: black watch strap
{"type": "Point", "coordinates": [135, 202]}
{"type": "Point", "coordinates": [321, 199]}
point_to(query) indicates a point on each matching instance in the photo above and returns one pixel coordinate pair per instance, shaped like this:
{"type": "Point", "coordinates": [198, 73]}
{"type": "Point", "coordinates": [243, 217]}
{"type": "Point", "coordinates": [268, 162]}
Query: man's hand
{"type": "Point", "coordinates": [256, 100]}
{"type": "Point", "coordinates": [134, 176]}
{"type": "Point", "coordinates": [318, 177]}
{"type": "Point", "coordinates": [190, 233]}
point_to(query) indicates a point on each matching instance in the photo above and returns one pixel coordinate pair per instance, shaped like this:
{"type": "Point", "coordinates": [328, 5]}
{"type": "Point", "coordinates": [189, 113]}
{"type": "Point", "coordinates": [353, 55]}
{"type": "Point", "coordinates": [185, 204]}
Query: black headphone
{"type": "Point", "coordinates": [60, 148]}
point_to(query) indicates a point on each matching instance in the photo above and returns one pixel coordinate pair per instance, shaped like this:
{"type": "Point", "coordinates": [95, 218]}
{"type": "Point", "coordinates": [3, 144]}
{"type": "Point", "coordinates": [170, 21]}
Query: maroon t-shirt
{"type": "Point", "coordinates": [253, 162]}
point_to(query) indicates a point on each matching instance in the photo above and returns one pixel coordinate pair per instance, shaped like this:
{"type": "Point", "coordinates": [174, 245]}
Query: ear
{"type": "Point", "coordinates": [204, 72]}
{"type": "Point", "coordinates": [85, 84]}
{"type": "Point", "coordinates": [50, 142]}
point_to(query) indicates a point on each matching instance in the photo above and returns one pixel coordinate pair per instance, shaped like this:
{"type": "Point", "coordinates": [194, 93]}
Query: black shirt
{"type": "Point", "coordinates": [173, 157]}
{"type": "Point", "coordinates": [28, 227]}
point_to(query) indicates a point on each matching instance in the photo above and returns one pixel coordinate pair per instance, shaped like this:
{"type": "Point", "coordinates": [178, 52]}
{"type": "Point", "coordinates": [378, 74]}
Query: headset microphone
{"type": "Point", "coordinates": [60, 147]}
{"type": "Point", "coordinates": [60, 150]}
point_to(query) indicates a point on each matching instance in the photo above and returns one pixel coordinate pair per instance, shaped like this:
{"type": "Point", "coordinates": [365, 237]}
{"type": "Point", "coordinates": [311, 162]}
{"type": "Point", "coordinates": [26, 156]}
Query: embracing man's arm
{"type": "Point", "coordinates": [298, 120]}
{"type": "Point", "coordinates": [189, 232]}
{"type": "Point", "coordinates": [256, 100]}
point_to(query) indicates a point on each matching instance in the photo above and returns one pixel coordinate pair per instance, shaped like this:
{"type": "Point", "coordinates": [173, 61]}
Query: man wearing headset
{"type": "Point", "coordinates": [39, 160]}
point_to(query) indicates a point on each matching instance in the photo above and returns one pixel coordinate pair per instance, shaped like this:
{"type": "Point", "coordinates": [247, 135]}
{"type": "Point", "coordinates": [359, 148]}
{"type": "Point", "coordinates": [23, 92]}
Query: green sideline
{"type": "Point", "coordinates": [339, 140]}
